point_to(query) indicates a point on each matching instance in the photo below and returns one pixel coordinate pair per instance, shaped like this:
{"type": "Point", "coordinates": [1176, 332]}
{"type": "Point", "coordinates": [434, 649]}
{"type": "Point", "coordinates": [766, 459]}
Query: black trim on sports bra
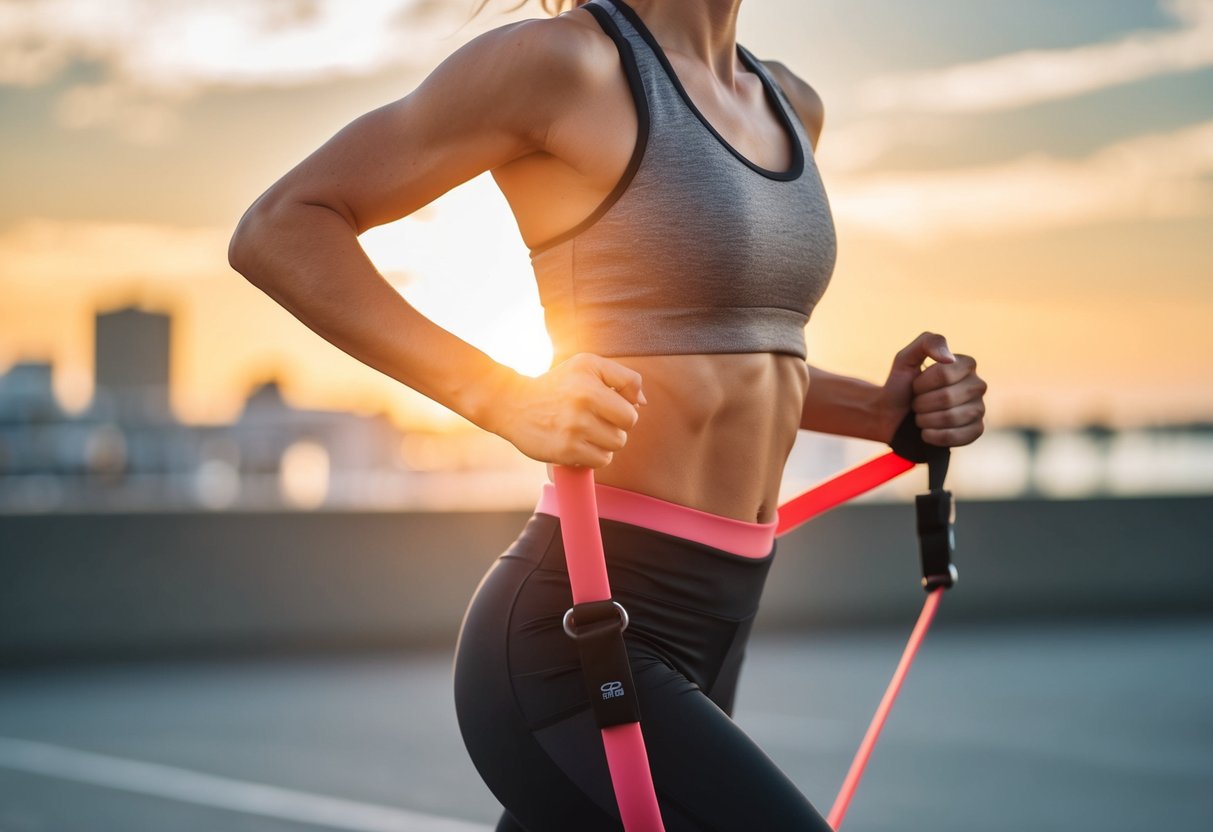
{"type": "Point", "coordinates": [628, 59]}
{"type": "Point", "coordinates": [762, 70]}
{"type": "Point", "coordinates": [797, 165]}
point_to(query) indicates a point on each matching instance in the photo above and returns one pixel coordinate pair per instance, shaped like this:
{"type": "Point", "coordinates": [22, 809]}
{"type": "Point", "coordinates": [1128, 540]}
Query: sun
{"type": "Point", "coordinates": [526, 349]}
{"type": "Point", "coordinates": [461, 263]}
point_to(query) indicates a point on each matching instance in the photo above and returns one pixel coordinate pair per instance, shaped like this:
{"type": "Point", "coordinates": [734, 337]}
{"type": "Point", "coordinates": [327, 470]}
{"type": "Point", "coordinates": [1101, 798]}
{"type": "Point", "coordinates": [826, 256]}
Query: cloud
{"type": "Point", "coordinates": [175, 46]}
{"type": "Point", "coordinates": [1160, 176]}
{"type": "Point", "coordinates": [152, 54]}
{"type": "Point", "coordinates": [859, 143]}
{"type": "Point", "coordinates": [137, 116]}
{"type": "Point", "coordinates": [1029, 77]}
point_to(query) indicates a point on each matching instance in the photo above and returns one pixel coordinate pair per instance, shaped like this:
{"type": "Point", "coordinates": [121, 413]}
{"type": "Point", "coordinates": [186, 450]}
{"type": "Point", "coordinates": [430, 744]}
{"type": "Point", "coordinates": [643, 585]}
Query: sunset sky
{"type": "Point", "coordinates": [1033, 179]}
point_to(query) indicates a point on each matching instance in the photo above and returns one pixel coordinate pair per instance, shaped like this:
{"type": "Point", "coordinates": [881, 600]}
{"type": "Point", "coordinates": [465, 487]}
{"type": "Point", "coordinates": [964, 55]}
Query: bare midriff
{"type": "Point", "coordinates": [715, 433]}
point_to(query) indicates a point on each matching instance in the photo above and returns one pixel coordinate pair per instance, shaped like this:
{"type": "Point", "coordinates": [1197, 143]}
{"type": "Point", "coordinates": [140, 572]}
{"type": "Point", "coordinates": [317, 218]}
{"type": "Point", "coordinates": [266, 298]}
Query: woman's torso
{"type": "Point", "coordinates": [718, 426]}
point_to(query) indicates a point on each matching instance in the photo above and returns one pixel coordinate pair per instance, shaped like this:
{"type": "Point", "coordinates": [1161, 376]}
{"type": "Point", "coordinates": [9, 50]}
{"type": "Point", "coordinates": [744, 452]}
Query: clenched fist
{"type": "Point", "coordinates": [946, 397]}
{"type": "Point", "coordinates": [577, 413]}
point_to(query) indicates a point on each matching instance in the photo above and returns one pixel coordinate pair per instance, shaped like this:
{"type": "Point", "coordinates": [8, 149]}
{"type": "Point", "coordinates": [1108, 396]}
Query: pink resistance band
{"type": "Point", "coordinates": [576, 503]}
{"type": "Point", "coordinates": [738, 537]}
{"type": "Point", "coordinates": [625, 752]}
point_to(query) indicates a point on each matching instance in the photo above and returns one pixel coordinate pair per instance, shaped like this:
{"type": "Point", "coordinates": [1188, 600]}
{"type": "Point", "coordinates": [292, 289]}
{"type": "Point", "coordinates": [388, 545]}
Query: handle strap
{"type": "Point", "coordinates": [596, 622]}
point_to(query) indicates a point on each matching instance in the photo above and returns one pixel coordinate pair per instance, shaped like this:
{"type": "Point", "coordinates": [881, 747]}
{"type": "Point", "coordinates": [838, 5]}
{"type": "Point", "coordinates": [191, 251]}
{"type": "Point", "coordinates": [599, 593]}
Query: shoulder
{"type": "Point", "coordinates": [530, 58]}
{"type": "Point", "coordinates": [533, 70]}
{"type": "Point", "coordinates": [804, 98]}
{"type": "Point", "coordinates": [553, 45]}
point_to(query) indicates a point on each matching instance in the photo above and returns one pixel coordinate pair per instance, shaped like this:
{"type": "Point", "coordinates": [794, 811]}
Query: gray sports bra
{"type": "Point", "coordinates": [697, 249]}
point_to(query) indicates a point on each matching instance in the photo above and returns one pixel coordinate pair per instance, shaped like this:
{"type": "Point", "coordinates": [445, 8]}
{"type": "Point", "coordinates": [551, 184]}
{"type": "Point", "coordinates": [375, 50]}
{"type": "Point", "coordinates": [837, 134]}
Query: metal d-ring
{"type": "Point", "coordinates": [567, 621]}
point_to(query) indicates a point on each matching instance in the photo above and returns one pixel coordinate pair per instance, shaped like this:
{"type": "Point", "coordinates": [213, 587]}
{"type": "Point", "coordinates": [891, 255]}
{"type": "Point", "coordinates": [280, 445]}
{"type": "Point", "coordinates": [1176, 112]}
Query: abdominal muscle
{"type": "Point", "coordinates": [715, 433]}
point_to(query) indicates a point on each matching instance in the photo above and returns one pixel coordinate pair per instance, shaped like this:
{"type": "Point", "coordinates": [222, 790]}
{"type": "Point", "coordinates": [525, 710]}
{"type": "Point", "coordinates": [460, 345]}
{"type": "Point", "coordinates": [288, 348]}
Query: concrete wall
{"type": "Point", "coordinates": [113, 585]}
{"type": "Point", "coordinates": [1017, 559]}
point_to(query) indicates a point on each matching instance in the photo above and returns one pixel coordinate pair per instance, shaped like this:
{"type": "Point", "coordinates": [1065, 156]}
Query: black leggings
{"type": "Point", "coordinates": [524, 713]}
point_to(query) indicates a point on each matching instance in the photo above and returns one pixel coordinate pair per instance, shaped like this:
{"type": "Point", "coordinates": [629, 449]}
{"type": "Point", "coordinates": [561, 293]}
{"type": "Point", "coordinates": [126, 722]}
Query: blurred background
{"type": "Point", "coordinates": [234, 559]}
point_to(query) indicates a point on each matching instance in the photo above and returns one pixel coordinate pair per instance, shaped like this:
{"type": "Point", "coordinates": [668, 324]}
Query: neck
{"type": "Point", "coordinates": [705, 30]}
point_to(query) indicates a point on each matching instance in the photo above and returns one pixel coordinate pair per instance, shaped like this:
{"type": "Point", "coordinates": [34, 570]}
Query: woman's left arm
{"type": "Point", "coordinates": [947, 397]}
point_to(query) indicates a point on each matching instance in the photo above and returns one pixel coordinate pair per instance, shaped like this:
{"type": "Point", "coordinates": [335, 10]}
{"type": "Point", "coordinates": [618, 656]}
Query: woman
{"type": "Point", "coordinates": [664, 180]}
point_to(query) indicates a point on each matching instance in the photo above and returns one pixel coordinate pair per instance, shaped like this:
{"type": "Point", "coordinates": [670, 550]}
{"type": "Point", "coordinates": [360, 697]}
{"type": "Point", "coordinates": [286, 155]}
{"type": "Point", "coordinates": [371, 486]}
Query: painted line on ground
{"type": "Point", "coordinates": [186, 786]}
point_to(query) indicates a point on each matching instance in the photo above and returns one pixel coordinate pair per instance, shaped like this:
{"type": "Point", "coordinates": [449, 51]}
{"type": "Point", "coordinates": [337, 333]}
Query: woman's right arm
{"type": "Point", "coordinates": [493, 101]}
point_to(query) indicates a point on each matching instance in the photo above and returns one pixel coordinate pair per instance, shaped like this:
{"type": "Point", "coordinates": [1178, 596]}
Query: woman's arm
{"type": "Point", "coordinates": [843, 406]}
{"type": "Point", "coordinates": [947, 398]}
{"type": "Point", "coordinates": [493, 101]}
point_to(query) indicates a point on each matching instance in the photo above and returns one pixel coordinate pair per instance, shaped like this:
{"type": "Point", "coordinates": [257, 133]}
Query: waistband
{"type": "Point", "coordinates": [751, 540]}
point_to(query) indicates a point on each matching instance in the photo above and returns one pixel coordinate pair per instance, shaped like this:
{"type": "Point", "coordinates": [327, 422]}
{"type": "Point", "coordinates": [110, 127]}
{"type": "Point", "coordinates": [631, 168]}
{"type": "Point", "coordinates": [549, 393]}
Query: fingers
{"type": "Point", "coordinates": [943, 375]}
{"type": "Point", "coordinates": [953, 397]}
{"type": "Point", "coordinates": [953, 437]}
{"type": "Point", "coordinates": [588, 441]}
{"type": "Point", "coordinates": [616, 376]}
{"type": "Point", "coordinates": [586, 455]}
{"type": "Point", "coordinates": [963, 415]}
{"type": "Point", "coordinates": [607, 389]}
{"type": "Point", "coordinates": [949, 404]}
{"type": "Point", "coordinates": [603, 420]}
{"type": "Point", "coordinates": [927, 345]}
{"type": "Point", "coordinates": [600, 406]}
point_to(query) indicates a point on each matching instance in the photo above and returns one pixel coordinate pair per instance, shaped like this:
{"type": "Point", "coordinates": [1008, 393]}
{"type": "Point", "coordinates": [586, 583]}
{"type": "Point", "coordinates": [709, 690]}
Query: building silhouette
{"type": "Point", "coordinates": [132, 348]}
{"type": "Point", "coordinates": [127, 450]}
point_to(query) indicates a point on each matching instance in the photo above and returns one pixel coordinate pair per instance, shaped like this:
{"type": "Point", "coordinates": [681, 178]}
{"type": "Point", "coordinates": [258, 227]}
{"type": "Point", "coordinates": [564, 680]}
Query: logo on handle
{"type": "Point", "coordinates": [611, 690]}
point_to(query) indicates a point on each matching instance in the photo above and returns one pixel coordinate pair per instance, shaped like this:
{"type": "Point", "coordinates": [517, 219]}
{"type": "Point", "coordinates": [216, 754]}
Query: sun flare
{"type": "Point", "coordinates": [462, 264]}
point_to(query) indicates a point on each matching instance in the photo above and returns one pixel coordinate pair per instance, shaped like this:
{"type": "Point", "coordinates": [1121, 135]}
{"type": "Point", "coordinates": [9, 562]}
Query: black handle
{"type": "Point", "coordinates": [936, 509]}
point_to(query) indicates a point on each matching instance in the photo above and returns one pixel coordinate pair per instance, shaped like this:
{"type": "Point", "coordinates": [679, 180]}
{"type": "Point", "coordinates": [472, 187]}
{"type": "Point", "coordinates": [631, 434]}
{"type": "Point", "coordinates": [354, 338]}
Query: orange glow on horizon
{"type": "Point", "coordinates": [1071, 256]}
